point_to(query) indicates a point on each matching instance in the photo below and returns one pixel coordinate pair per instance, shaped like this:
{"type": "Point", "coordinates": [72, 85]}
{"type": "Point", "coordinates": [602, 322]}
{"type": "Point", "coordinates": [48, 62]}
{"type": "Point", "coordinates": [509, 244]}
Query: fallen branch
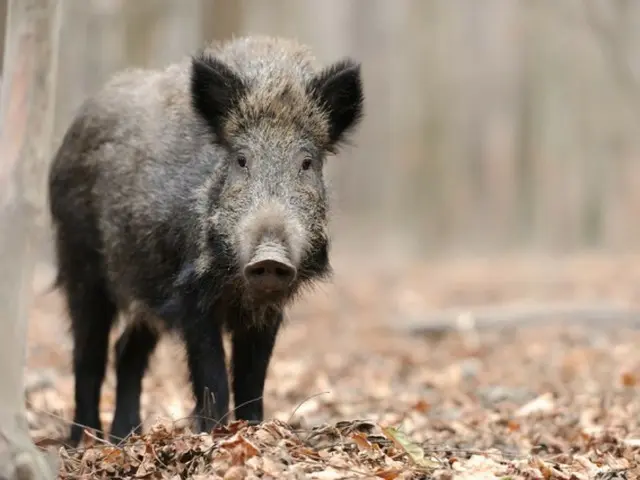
{"type": "Point", "coordinates": [597, 315]}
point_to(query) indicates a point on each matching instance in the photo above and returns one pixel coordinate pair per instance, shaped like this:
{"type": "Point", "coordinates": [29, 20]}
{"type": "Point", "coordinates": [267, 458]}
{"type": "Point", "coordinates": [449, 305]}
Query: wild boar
{"type": "Point", "coordinates": [192, 199]}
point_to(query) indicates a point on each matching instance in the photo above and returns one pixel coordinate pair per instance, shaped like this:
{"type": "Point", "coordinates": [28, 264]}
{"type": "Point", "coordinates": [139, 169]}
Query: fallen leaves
{"type": "Point", "coordinates": [360, 450]}
{"type": "Point", "coordinates": [532, 403]}
{"type": "Point", "coordinates": [239, 451]}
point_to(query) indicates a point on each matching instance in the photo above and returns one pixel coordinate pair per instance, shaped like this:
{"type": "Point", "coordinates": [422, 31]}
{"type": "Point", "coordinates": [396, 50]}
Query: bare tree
{"type": "Point", "coordinates": [30, 61]}
{"type": "Point", "coordinates": [614, 32]}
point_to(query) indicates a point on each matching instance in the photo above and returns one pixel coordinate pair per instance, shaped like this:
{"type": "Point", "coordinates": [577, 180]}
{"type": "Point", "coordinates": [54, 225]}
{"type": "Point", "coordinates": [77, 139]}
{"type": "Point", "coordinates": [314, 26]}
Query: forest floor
{"type": "Point", "coordinates": [375, 377]}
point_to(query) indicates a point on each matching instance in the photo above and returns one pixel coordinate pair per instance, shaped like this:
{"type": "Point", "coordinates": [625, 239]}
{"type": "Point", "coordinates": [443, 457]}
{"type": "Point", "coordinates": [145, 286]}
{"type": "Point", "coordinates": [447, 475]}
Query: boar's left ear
{"type": "Point", "coordinates": [215, 91]}
{"type": "Point", "coordinates": [338, 88]}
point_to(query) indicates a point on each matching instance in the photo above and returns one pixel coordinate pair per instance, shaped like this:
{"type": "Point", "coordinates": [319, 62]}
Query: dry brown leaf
{"type": "Point", "coordinates": [421, 406]}
{"type": "Point", "coordinates": [388, 474]}
{"type": "Point", "coordinates": [360, 439]}
{"type": "Point", "coordinates": [230, 429]}
{"type": "Point", "coordinates": [629, 379]}
{"type": "Point", "coordinates": [549, 472]}
{"type": "Point", "coordinates": [591, 468]}
{"type": "Point", "coordinates": [112, 455]}
{"type": "Point", "coordinates": [513, 426]}
{"type": "Point", "coordinates": [265, 436]}
{"type": "Point", "coordinates": [145, 469]}
{"type": "Point", "coordinates": [306, 453]}
{"type": "Point", "coordinates": [240, 449]}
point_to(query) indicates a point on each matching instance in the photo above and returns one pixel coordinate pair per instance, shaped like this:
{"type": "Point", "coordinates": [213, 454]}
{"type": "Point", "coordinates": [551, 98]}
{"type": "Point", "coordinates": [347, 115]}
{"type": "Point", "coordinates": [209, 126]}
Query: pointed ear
{"type": "Point", "coordinates": [215, 91]}
{"type": "Point", "coordinates": [338, 88]}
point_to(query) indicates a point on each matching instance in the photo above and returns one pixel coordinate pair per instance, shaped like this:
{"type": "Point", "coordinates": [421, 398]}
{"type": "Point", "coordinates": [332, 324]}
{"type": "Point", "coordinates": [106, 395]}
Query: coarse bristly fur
{"type": "Point", "coordinates": [166, 185]}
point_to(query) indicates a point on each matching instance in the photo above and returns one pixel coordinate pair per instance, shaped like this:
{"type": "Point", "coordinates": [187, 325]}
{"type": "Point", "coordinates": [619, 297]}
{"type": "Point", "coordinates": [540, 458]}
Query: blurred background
{"type": "Point", "coordinates": [490, 126]}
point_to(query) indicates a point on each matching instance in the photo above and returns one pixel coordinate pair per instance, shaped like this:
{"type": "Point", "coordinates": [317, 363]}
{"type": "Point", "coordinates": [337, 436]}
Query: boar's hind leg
{"type": "Point", "coordinates": [208, 372]}
{"type": "Point", "coordinates": [252, 349]}
{"type": "Point", "coordinates": [133, 349]}
{"type": "Point", "coordinates": [92, 314]}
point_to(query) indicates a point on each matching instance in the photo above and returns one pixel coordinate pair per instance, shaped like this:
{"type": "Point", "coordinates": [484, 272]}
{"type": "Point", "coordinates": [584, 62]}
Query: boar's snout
{"type": "Point", "coordinates": [269, 273]}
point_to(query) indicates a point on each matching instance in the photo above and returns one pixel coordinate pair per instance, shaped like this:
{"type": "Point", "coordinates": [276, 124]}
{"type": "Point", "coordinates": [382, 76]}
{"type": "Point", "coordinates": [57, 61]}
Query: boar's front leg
{"type": "Point", "coordinates": [253, 344]}
{"type": "Point", "coordinates": [205, 358]}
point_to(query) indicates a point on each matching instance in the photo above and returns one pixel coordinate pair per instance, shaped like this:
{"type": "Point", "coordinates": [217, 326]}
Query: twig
{"type": "Point", "coordinates": [303, 402]}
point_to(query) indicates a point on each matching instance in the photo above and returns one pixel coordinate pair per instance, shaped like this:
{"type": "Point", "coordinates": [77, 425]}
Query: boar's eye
{"type": "Point", "coordinates": [306, 163]}
{"type": "Point", "coordinates": [242, 160]}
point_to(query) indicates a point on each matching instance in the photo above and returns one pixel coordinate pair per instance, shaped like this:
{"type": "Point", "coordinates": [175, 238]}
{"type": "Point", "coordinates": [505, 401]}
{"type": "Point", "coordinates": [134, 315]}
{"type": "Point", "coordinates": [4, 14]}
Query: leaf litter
{"type": "Point", "coordinates": [348, 396]}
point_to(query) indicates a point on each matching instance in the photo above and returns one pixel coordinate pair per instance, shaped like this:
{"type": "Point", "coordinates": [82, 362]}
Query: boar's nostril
{"type": "Point", "coordinates": [257, 271]}
{"type": "Point", "coordinates": [269, 275]}
{"type": "Point", "coordinates": [283, 272]}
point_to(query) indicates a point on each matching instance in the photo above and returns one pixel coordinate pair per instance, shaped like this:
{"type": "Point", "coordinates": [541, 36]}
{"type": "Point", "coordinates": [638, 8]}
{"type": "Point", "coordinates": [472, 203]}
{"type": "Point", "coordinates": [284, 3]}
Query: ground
{"type": "Point", "coordinates": [372, 379]}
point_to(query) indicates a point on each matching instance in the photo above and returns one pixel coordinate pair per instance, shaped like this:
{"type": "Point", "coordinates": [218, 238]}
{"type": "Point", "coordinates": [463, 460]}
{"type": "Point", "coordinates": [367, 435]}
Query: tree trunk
{"type": "Point", "coordinates": [221, 19]}
{"type": "Point", "coordinates": [27, 95]}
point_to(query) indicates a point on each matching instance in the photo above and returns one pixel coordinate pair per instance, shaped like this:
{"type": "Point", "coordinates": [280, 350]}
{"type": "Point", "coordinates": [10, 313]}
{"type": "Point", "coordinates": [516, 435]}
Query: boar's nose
{"type": "Point", "coordinates": [269, 275]}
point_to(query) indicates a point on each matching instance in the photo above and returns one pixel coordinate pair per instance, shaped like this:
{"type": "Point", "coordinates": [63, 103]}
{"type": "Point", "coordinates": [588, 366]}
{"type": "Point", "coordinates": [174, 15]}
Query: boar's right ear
{"type": "Point", "coordinates": [215, 91]}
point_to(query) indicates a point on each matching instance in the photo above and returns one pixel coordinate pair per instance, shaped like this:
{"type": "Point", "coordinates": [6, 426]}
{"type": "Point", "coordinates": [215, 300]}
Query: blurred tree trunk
{"type": "Point", "coordinates": [366, 199]}
{"type": "Point", "coordinates": [139, 17]}
{"type": "Point", "coordinates": [526, 143]}
{"type": "Point", "coordinates": [28, 93]}
{"type": "Point", "coordinates": [93, 43]}
{"type": "Point", "coordinates": [221, 19]}
{"type": "Point", "coordinates": [616, 38]}
{"type": "Point", "coordinates": [159, 32]}
{"type": "Point", "coordinates": [3, 29]}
